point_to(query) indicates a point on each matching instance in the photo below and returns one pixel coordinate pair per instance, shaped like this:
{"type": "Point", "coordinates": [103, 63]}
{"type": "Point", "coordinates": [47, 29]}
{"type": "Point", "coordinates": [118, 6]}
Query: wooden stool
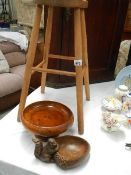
{"type": "Point", "coordinates": [80, 58]}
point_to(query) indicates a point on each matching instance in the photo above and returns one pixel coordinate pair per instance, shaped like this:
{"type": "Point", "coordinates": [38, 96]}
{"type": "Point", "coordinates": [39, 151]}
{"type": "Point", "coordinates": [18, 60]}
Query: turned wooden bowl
{"type": "Point", "coordinates": [47, 118]}
{"type": "Point", "coordinates": [72, 152]}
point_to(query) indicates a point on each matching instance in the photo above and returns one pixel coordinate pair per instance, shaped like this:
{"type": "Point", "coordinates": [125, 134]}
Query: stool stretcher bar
{"type": "Point", "coordinates": [53, 71]}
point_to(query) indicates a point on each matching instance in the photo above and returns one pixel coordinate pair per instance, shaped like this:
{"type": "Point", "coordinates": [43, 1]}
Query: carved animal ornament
{"type": "Point", "coordinates": [66, 151]}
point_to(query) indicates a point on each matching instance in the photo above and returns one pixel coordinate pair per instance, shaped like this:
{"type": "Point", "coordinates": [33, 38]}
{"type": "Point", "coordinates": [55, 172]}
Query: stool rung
{"type": "Point", "coordinates": [38, 66]}
{"type": "Point", "coordinates": [64, 3]}
{"type": "Point", "coordinates": [53, 71]}
{"type": "Point", "coordinates": [62, 57]}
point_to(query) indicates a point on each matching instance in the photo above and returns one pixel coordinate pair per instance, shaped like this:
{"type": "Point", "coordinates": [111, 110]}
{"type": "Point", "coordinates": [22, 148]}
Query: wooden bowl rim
{"type": "Point", "coordinates": [71, 117]}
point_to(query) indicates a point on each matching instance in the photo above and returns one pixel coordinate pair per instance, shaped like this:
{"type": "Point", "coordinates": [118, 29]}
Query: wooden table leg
{"type": "Point", "coordinates": [85, 54]}
{"type": "Point", "coordinates": [30, 60]}
{"type": "Point", "coordinates": [79, 75]}
{"type": "Point", "coordinates": [47, 47]}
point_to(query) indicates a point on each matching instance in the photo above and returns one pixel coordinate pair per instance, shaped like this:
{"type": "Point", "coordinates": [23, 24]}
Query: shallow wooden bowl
{"type": "Point", "coordinates": [47, 118]}
{"type": "Point", "coordinates": [72, 151]}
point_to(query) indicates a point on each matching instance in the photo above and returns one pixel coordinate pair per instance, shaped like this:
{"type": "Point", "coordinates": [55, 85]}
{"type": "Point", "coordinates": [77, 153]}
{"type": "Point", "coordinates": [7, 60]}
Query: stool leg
{"type": "Point", "coordinates": [79, 75]}
{"type": "Point", "coordinates": [47, 46]}
{"type": "Point", "coordinates": [85, 54]}
{"type": "Point", "coordinates": [30, 60]}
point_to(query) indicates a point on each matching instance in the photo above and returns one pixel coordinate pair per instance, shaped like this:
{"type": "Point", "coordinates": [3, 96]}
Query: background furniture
{"type": "Point", "coordinates": [11, 83]}
{"type": "Point", "coordinates": [127, 27]}
{"type": "Point", "coordinates": [129, 57]}
{"type": "Point", "coordinates": [105, 27]}
{"type": "Point", "coordinates": [5, 10]}
{"type": "Point", "coordinates": [5, 13]}
{"type": "Point", "coordinates": [105, 24]}
{"type": "Point", "coordinates": [123, 56]}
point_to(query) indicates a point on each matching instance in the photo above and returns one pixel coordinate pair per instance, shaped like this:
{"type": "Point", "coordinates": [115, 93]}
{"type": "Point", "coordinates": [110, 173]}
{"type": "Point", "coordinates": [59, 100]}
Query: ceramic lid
{"type": "Point", "coordinates": [123, 87]}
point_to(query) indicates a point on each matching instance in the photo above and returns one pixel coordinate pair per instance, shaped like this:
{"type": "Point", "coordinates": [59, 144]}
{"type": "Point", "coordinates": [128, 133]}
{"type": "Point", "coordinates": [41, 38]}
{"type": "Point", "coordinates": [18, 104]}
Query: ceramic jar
{"type": "Point", "coordinates": [126, 109]}
{"type": "Point", "coordinates": [128, 98]}
{"type": "Point", "coordinates": [121, 92]}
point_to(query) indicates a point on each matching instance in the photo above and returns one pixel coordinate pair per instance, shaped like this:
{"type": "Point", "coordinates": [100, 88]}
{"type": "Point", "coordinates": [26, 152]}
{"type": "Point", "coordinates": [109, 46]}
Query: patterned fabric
{"type": "Point", "coordinates": [7, 47]}
{"type": "Point", "coordinates": [4, 67]}
{"type": "Point", "coordinates": [16, 38]}
{"type": "Point", "coordinates": [122, 56]}
{"type": "Point", "coordinates": [11, 82]}
{"type": "Point", "coordinates": [15, 58]}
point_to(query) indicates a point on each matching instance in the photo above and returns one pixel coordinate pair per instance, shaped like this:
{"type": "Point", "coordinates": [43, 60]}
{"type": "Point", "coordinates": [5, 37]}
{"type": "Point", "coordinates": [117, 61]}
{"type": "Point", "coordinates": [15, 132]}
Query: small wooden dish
{"type": "Point", "coordinates": [72, 151]}
{"type": "Point", "coordinates": [47, 118]}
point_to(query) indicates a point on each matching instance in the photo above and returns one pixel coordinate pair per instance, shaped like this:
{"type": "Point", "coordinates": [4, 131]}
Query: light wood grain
{"type": "Point", "coordinates": [30, 60]}
{"type": "Point", "coordinates": [64, 3]}
{"type": "Point", "coordinates": [61, 57]}
{"type": "Point", "coordinates": [53, 71]}
{"type": "Point", "coordinates": [79, 76]}
{"type": "Point", "coordinates": [47, 46]}
{"type": "Point", "coordinates": [81, 55]}
{"type": "Point", "coordinates": [85, 54]}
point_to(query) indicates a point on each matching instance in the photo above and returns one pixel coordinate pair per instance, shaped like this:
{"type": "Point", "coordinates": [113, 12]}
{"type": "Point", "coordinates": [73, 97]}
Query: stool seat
{"type": "Point", "coordinates": [64, 3]}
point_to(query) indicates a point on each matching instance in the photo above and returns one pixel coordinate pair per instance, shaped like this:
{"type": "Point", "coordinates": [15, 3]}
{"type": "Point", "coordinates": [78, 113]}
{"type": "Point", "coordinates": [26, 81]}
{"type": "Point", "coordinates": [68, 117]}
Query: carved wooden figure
{"type": "Point", "coordinates": [45, 153]}
{"type": "Point", "coordinates": [66, 151]}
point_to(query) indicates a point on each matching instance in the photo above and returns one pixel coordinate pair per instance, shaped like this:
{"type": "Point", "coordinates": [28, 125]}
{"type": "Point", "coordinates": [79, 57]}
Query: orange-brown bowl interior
{"type": "Point", "coordinates": [47, 118]}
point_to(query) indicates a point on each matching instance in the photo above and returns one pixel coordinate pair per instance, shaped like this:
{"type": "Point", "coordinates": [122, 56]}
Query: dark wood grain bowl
{"type": "Point", "coordinates": [72, 152]}
{"type": "Point", "coordinates": [47, 118]}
